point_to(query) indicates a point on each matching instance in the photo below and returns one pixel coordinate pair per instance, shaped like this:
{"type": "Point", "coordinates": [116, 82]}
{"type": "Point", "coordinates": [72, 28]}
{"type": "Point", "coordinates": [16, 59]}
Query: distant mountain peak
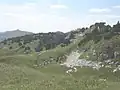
{"type": "Point", "coordinates": [14, 33]}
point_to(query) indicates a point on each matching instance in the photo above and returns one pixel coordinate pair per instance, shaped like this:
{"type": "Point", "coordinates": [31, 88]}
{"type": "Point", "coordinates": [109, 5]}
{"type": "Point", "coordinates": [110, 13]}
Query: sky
{"type": "Point", "coordinates": [56, 15]}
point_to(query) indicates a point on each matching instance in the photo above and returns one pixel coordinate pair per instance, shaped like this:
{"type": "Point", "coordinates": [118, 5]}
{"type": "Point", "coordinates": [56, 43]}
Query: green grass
{"type": "Point", "coordinates": [56, 53]}
{"type": "Point", "coordinates": [53, 77]}
{"type": "Point", "coordinates": [17, 72]}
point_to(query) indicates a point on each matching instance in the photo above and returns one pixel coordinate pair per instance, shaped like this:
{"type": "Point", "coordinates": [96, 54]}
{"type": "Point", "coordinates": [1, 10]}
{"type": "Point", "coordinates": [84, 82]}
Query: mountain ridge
{"type": "Point", "coordinates": [14, 33]}
{"type": "Point", "coordinates": [38, 61]}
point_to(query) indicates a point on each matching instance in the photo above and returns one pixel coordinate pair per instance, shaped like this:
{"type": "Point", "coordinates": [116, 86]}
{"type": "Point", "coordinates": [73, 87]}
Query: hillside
{"type": "Point", "coordinates": [83, 59]}
{"type": "Point", "coordinates": [10, 34]}
{"type": "Point", "coordinates": [102, 43]}
{"type": "Point", "coordinates": [38, 42]}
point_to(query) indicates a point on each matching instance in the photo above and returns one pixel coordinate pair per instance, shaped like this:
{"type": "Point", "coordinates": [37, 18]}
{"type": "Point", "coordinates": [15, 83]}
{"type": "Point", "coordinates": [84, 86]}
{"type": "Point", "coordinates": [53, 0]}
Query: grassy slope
{"type": "Point", "coordinates": [17, 73]}
{"type": "Point", "coordinates": [53, 78]}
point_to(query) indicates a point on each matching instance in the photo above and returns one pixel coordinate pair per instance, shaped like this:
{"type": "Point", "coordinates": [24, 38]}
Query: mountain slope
{"type": "Point", "coordinates": [15, 33]}
{"type": "Point", "coordinates": [38, 42]}
{"type": "Point", "coordinates": [102, 44]}
{"type": "Point", "coordinates": [41, 68]}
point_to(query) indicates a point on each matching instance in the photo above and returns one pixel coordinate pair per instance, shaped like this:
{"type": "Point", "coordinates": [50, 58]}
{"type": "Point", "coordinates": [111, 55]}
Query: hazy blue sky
{"type": "Point", "coordinates": [54, 15]}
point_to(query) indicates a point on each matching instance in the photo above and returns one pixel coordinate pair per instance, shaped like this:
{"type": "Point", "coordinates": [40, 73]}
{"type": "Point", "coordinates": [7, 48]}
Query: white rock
{"type": "Point", "coordinates": [111, 63]}
{"type": "Point", "coordinates": [35, 65]}
{"type": "Point", "coordinates": [69, 71]}
{"type": "Point", "coordinates": [62, 64]}
{"type": "Point", "coordinates": [108, 61]}
{"type": "Point", "coordinates": [108, 66]}
{"type": "Point", "coordinates": [75, 69]}
{"type": "Point", "coordinates": [87, 56]}
{"type": "Point", "coordinates": [115, 70]}
{"type": "Point", "coordinates": [102, 65]}
{"type": "Point", "coordinates": [102, 80]}
{"type": "Point", "coordinates": [99, 63]}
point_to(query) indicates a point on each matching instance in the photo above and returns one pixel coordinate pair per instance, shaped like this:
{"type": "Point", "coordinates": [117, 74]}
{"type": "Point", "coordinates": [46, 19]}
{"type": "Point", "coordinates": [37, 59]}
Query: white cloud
{"type": "Point", "coordinates": [118, 6]}
{"type": "Point", "coordinates": [58, 6]}
{"type": "Point", "coordinates": [31, 17]}
{"type": "Point", "coordinates": [99, 10]}
{"type": "Point", "coordinates": [110, 19]}
{"type": "Point", "coordinates": [113, 16]}
{"type": "Point", "coordinates": [110, 16]}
